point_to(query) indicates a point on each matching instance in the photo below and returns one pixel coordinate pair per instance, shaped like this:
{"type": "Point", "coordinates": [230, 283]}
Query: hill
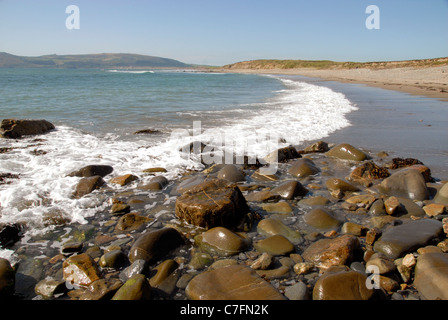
{"type": "Point", "coordinates": [102, 60]}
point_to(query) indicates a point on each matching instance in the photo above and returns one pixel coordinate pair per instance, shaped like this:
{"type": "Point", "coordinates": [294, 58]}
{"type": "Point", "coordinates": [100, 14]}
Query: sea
{"type": "Point", "coordinates": [97, 114]}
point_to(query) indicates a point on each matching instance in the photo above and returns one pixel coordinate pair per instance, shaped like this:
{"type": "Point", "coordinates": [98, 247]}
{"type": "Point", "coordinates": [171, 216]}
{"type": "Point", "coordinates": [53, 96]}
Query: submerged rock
{"type": "Point", "coordinates": [13, 128]}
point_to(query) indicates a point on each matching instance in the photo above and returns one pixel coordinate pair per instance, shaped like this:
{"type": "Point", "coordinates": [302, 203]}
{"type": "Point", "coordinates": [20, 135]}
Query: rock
{"type": "Point", "coordinates": [362, 200]}
{"type": "Point", "coordinates": [212, 203]}
{"type": "Point", "coordinates": [392, 206]}
{"type": "Point", "coordinates": [321, 219]}
{"type": "Point", "coordinates": [339, 184]}
{"type": "Point", "coordinates": [113, 259]}
{"type": "Point", "coordinates": [155, 170]}
{"type": "Point", "coordinates": [406, 183]}
{"type": "Point", "coordinates": [48, 288]}
{"type": "Point", "coordinates": [377, 208]}
{"type": "Point", "coordinates": [80, 270]}
{"type": "Point", "coordinates": [195, 147]}
{"type": "Point", "coordinates": [9, 234]}
{"type": "Point", "coordinates": [189, 183]}
{"type": "Point", "coordinates": [221, 241]}
{"type": "Point", "coordinates": [92, 170]}
{"type": "Point", "coordinates": [153, 245]}
{"type": "Point", "coordinates": [88, 185]}
{"type": "Point", "coordinates": [276, 245]}
{"type": "Point", "coordinates": [262, 196]}
{"type": "Point", "coordinates": [342, 285]}
{"type": "Point", "coordinates": [147, 131]}
{"type": "Point", "coordinates": [281, 272]}
{"type": "Point", "coordinates": [434, 209]}
{"type": "Point", "coordinates": [406, 237]}
{"type": "Point", "coordinates": [318, 147]}
{"type": "Point", "coordinates": [279, 207]}
{"type": "Point", "coordinates": [347, 152]}
{"type": "Point", "coordinates": [164, 274]}
{"type": "Point", "coordinates": [282, 155]}
{"type": "Point", "coordinates": [120, 208]}
{"type": "Point", "coordinates": [399, 163]}
{"type": "Point", "coordinates": [7, 278]}
{"type": "Point", "coordinates": [235, 282]}
{"type": "Point", "coordinates": [13, 128]}
{"type": "Point", "coordinates": [368, 172]}
{"type": "Point", "coordinates": [139, 266]}
{"type": "Point", "coordinates": [70, 248]}
{"type": "Point", "coordinates": [442, 195]}
{"type": "Point", "coordinates": [381, 264]}
{"type": "Point", "coordinates": [124, 179]}
{"type": "Point", "coordinates": [200, 260]}
{"type": "Point", "coordinates": [316, 201]}
{"type": "Point", "coordinates": [326, 253]}
{"type": "Point", "coordinates": [298, 291]}
{"type": "Point", "coordinates": [231, 173]}
{"type": "Point", "coordinates": [290, 189]}
{"type": "Point", "coordinates": [261, 175]}
{"type": "Point", "coordinates": [424, 171]}
{"type": "Point", "coordinates": [353, 229]}
{"type": "Point", "coordinates": [431, 276]}
{"type": "Point", "coordinates": [130, 222]}
{"type": "Point", "coordinates": [136, 288]}
{"type": "Point", "coordinates": [271, 226]}
{"type": "Point", "coordinates": [103, 289]}
{"type": "Point", "coordinates": [303, 168]}
{"type": "Point", "coordinates": [303, 267]}
{"type": "Point", "coordinates": [263, 262]}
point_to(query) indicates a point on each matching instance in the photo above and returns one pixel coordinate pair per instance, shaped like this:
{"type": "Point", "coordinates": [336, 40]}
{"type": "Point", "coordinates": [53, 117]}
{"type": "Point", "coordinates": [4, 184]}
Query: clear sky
{"type": "Point", "coordinates": [218, 32]}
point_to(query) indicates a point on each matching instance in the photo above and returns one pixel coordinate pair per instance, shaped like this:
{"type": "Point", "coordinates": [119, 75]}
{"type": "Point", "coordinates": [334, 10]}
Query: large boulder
{"type": "Point", "coordinates": [404, 238]}
{"type": "Point", "coordinates": [431, 276]}
{"type": "Point", "coordinates": [282, 155]}
{"type": "Point", "coordinates": [235, 282]}
{"type": "Point", "coordinates": [303, 168]}
{"type": "Point", "coordinates": [92, 170]}
{"type": "Point", "coordinates": [7, 278]}
{"type": "Point", "coordinates": [88, 185]}
{"type": "Point", "coordinates": [288, 190]}
{"type": "Point", "coordinates": [221, 241]}
{"type": "Point", "coordinates": [406, 183]}
{"type": "Point", "coordinates": [211, 204]}
{"type": "Point", "coordinates": [14, 128]}
{"type": "Point", "coordinates": [347, 152]}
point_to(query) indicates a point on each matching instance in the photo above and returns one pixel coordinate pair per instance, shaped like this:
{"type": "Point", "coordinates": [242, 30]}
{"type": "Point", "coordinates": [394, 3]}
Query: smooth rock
{"type": "Point", "coordinates": [211, 204]}
{"type": "Point", "coordinates": [326, 253]}
{"type": "Point", "coordinates": [103, 289]}
{"type": "Point", "coordinates": [7, 278]}
{"type": "Point", "coordinates": [339, 184]}
{"type": "Point", "coordinates": [88, 185]}
{"type": "Point", "coordinates": [14, 128]}
{"type": "Point", "coordinates": [431, 276]}
{"type": "Point", "coordinates": [124, 179]}
{"type": "Point", "coordinates": [164, 272]}
{"type": "Point", "coordinates": [235, 282]}
{"type": "Point", "coordinates": [406, 183]}
{"type": "Point", "coordinates": [231, 173]}
{"type": "Point", "coordinates": [381, 264]}
{"type": "Point", "coordinates": [317, 147]}
{"type": "Point", "coordinates": [263, 262]}
{"type": "Point", "coordinates": [136, 288]}
{"type": "Point", "coordinates": [434, 209]}
{"type": "Point", "coordinates": [282, 155]}
{"type": "Point", "coordinates": [189, 183]}
{"type": "Point", "coordinates": [442, 195]}
{"type": "Point", "coordinates": [322, 219]}
{"type": "Point", "coordinates": [113, 259]}
{"type": "Point", "coordinates": [346, 152]}
{"type": "Point", "coordinates": [342, 285]}
{"type": "Point", "coordinates": [153, 245]}
{"type": "Point", "coordinates": [130, 221]}
{"type": "Point", "coordinates": [290, 189]}
{"type": "Point", "coordinates": [298, 291]}
{"type": "Point", "coordinates": [303, 168]}
{"type": "Point", "coordinates": [276, 245]}
{"type": "Point", "coordinates": [139, 266]}
{"type": "Point", "coordinates": [221, 241]}
{"type": "Point", "coordinates": [80, 270]}
{"type": "Point", "coordinates": [92, 170]}
{"type": "Point", "coordinates": [262, 196]}
{"type": "Point", "coordinates": [279, 207]}
{"type": "Point", "coordinates": [271, 226]}
{"type": "Point", "coordinates": [48, 288]}
{"type": "Point", "coordinates": [406, 237]}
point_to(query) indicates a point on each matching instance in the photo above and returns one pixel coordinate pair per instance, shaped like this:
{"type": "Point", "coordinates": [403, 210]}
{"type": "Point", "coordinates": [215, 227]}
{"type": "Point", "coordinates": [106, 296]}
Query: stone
{"type": "Point", "coordinates": [377, 208]}
{"type": "Point", "coordinates": [431, 276]}
{"type": "Point", "coordinates": [317, 201]}
{"type": "Point", "coordinates": [298, 291]}
{"type": "Point", "coordinates": [234, 282]}
{"type": "Point", "coordinates": [406, 237]}
{"type": "Point", "coordinates": [326, 253]}
{"type": "Point", "coordinates": [406, 183]}
{"type": "Point", "coordinates": [271, 226]}
{"type": "Point", "coordinates": [262, 196]}
{"type": "Point", "coordinates": [92, 170]}
{"type": "Point", "coordinates": [409, 260]}
{"type": "Point", "coordinates": [424, 171]}
{"type": "Point", "coordinates": [346, 152]}
{"type": "Point", "coordinates": [221, 241]}
{"type": "Point", "coordinates": [342, 285]}
{"type": "Point", "coordinates": [139, 266]}
{"type": "Point", "coordinates": [189, 183]}
{"type": "Point", "coordinates": [120, 208]}
{"type": "Point", "coordinates": [124, 179]}
{"type": "Point", "coordinates": [10, 233]}
{"type": "Point", "coordinates": [321, 219]}
{"type": "Point", "coordinates": [441, 196]}
{"type": "Point", "coordinates": [153, 245]}
{"type": "Point", "coordinates": [49, 287]}
{"type": "Point", "coordinates": [200, 260]}
{"type": "Point", "coordinates": [113, 259]}
{"type": "Point", "coordinates": [317, 147]}
{"type": "Point", "coordinates": [70, 248]}
{"type": "Point", "coordinates": [353, 229]}
{"type": "Point", "coordinates": [15, 128]}
{"type": "Point", "coordinates": [290, 189]}
{"type": "Point", "coordinates": [7, 278]}
{"type": "Point", "coordinates": [231, 173]}
{"type": "Point", "coordinates": [211, 204]}
{"type": "Point", "coordinates": [282, 155]}
{"type": "Point", "coordinates": [80, 270]}
{"type": "Point", "coordinates": [268, 175]}
{"type": "Point", "coordinates": [130, 222]}
{"type": "Point", "coordinates": [392, 206]}
{"type": "Point", "coordinates": [155, 170]}
{"type": "Point", "coordinates": [339, 184]}
{"type": "Point", "coordinates": [362, 200]}
{"type": "Point", "coordinates": [88, 185]}
{"type": "Point", "coordinates": [368, 172]}
{"type": "Point", "coordinates": [382, 264]}
{"type": "Point", "coordinates": [281, 272]}
{"type": "Point", "coordinates": [303, 267]}
{"type": "Point", "coordinates": [263, 262]}
{"type": "Point", "coordinates": [434, 209]}
{"type": "Point", "coordinates": [136, 288]}
{"type": "Point", "coordinates": [303, 168]}
{"type": "Point", "coordinates": [279, 207]}
{"type": "Point", "coordinates": [276, 245]}
{"type": "Point", "coordinates": [399, 163]}
{"type": "Point", "coordinates": [163, 271]}
{"type": "Point", "coordinates": [103, 289]}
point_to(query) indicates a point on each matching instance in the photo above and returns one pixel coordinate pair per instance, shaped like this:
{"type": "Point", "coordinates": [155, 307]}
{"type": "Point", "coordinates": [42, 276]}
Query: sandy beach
{"type": "Point", "coordinates": [429, 81]}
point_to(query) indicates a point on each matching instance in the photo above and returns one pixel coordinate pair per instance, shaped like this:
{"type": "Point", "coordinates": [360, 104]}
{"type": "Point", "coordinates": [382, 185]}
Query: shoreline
{"type": "Point", "coordinates": [431, 82]}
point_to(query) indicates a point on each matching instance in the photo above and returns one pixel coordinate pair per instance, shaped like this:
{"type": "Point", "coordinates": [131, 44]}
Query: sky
{"type": "Point", "coordinates": [219, 32]}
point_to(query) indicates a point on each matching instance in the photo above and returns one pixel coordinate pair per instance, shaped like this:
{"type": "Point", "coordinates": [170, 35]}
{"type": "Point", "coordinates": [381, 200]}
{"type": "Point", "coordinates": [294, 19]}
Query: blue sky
{"type": "Point", "coordinates": [219, 32]}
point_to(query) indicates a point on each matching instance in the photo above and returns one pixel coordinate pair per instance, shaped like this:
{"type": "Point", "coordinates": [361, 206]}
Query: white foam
{"type": "Point", "coordinates": [131, 71]}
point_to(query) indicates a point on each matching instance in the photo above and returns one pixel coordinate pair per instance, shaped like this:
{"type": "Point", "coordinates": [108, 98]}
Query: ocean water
{"type": "Point", "coordinates": [97, 112]}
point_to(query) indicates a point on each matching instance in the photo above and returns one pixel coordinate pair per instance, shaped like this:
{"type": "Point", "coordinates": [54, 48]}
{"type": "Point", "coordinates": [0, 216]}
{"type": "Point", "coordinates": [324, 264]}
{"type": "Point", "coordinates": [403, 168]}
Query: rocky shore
{"type": "Point", "coordinates": [335, 222]}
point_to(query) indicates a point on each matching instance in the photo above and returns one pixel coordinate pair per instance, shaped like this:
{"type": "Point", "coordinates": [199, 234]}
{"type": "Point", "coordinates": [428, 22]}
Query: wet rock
{"type": "Point", "coordinates": [124, 179]}
{"type": "Point", "coordinates": [353, 229]}
{"type": "Point", "coordinates": [368, 172]}
{"type": "Point", "coordinates": [303, 168]}
{"type": "Point", "coordinates": [231, 173]}
{"type": "Point", "coordinates": [399, 163]}
{"type": "Point", "coordinates": [282, 155]}
{"type": "Point", "coordinates": [303, 267]}
{"type": "Point", "coordinates": [120, 208]}
{"type": "Point", "coordinates": [92, 170]}
{"type": "Point", "coordinates": [321, 219]}
{"type": "Point", "coordinates": [262, 196]}
{"type": "Point", "coordinates": [262, 175]}
{"type": "Point", "coordinates": [316, 201]}
{"type": "Point", "coordinates": [189, 183]}
{"type": "Point", "coordinates": [195, 147]}
{"type": "Point", "coordinates": [381, 264]}
{"type": "Point", "coordinates": [298, 291]}
{"type": "Point", "coordinates": [14, 128]}
{"type": "Point", "coordinates": [153, 245]}
{"type": "Point", "coordinates": [318, 147]}
{"type": "Point", "coordinates": [139, 266]}
{"type": "Point", "coordinates": [276, 245]}
{"type": "Point", "coordinates": [434, 209]}
{"type": "Point", "coordinates": [166, 276]}
{"type": "Point", "coordinates": [326, 253]}
{"type": "Point", "coordinates": [103, 289]}
{"type": "Point", "coordinates": [235, 282]}
{"type": "Point", "coordinates": [290, 189]}
{"type": "Point", "coordinates": [200, 260]}
{"type": "Point", "coordinates": [377, 208]}
{"type": "Point", "coordinates": [130, 222]}
{"type": "Point", "coordinates": [403, 238]}
{"type": "Point", "coordinates": [406, 183]}
{"type": "Point", "coordinates": [347, 152]}
{"type": "Point", "coordinates": [279, 207]}
{"type": "Point", "coordinates": [113, 259]}
{"type": "Point", "coordinates": [392, 206]}
{"type": "Point", "coordinates": [339, 184]}
{"type": "Point", "coordinates": [212, 203]}
{"type": "Point", "coordinates": [136, 288]}
{"type": "Point", "coordinates": [88, 185]}
{"type": "Point", "coordinates": [155, 170]}
{"type": "Point", "coordinates": [431, 276]}
{"type": "Point", "coordinates": [221, 241]}
{"type": "Point", "coordinates": [342, 285]}
{"type": "Point", "coordinates": [442, 195]}
{"type": "Point", "coordinates": [271, 226]}
{"type": "Point", "coordinates": [147, 131]}
{"type": "Point", "coordinates": [281, 272]}
{"type": "Point", "coordinates": [362, 201]}
{"type": "Point", "coordinates": [9, 234]}
{"type": "Point", "coordinates": [70, 248]}
{"type": "Point", "coordinates": [80, 270]}
{"type": "Point", "coordinates": [263, 262]}
{"type": "Point", "coordinates": [7, 278]}
{"type": "Point", "coordinates": [48, 288]}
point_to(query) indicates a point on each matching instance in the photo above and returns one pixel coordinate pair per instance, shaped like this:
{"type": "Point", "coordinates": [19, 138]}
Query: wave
{"type": "Point", "coordinates": [131, 71]}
